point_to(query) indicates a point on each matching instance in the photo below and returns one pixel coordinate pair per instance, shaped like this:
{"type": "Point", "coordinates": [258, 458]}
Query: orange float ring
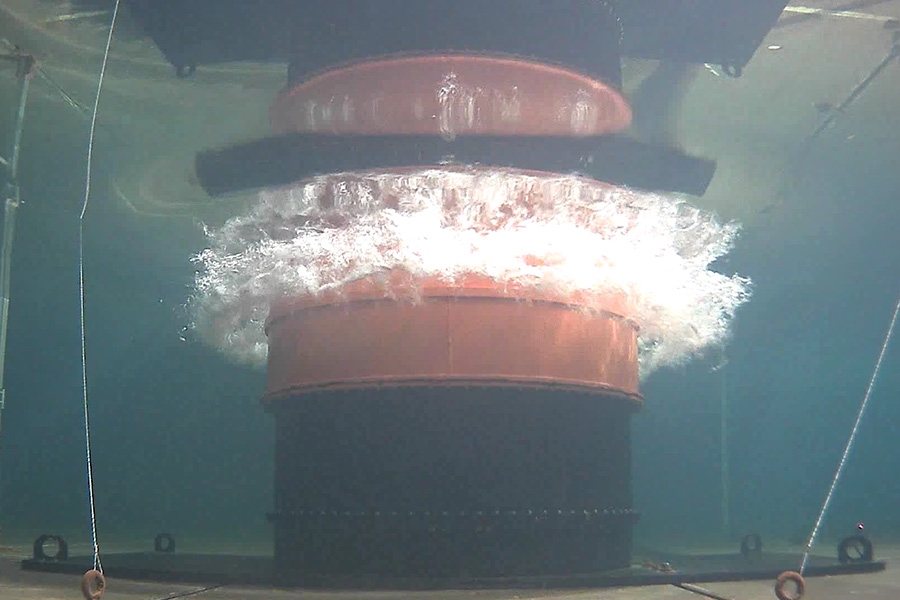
{"type": "Point", "coordinates": [402, 331]}
{"type": "Point", "coordinates": [449, 95]}
{"type": "Point", "coordinates": [782, 581]}
{"type": "Point", "coordinates": [93, 584]}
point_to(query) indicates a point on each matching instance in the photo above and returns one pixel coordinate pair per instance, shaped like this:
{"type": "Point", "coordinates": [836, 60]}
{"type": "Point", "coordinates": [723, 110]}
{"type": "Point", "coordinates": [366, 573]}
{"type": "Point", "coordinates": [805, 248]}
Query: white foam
{"type": "Point", "coordinates": [548, 231]}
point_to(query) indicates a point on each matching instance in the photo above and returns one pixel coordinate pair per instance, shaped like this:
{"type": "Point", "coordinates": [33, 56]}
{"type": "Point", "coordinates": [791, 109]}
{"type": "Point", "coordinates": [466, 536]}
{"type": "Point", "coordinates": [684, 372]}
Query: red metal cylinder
{"type": "Point", "coordinates": [451, 95]}
{"type": "Point", "coordinates": [471, 332]}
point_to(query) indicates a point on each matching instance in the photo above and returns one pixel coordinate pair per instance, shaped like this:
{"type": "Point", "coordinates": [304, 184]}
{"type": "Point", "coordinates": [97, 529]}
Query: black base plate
{"type": "Point", "coordinates": [258, 571]}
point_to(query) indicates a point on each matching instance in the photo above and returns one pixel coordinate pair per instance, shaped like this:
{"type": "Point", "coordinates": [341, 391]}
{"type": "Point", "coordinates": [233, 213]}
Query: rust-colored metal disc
{"type": "Point", "coordinates": [399, 331]}
{"type": "Point", "coordinates": [451, 95]}
{"type": "Point", "coordinates": [93, 584]}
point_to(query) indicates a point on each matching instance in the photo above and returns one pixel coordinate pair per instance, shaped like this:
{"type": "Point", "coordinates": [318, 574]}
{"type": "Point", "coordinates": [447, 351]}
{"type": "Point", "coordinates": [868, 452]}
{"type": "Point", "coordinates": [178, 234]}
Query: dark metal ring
{"type": "Point", "coordinates": [751, 544]}
{"type": "Point", "coordinates": [164, 542]}
{"type": "Point", "coordinates": [62, 548]}
{"type": "Point", "coordinates": [862, 546]}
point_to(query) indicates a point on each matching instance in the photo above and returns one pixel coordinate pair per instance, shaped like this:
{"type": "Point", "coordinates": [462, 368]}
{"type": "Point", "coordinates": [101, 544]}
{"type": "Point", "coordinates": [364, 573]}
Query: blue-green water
{"type": "Point", "coordinates": [181, 444]}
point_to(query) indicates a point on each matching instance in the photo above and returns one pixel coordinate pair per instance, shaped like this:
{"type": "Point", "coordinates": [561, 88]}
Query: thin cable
{"type": "Point", "coordinates": [859, 416]}
{"type": "Point", "coordinates": [196, 592]}
{"type": "Point", "coordinates": [84, 205]}
{"type": "Point", "coordinates": [83, 111]}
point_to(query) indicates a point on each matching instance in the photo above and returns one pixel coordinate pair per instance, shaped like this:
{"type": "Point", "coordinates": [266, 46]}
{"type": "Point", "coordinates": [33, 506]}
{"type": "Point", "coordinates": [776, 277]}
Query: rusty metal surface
{"type": "Point", "coordinates": [451, 95]}
{"type": "Point", "coordinates": [469, 333]}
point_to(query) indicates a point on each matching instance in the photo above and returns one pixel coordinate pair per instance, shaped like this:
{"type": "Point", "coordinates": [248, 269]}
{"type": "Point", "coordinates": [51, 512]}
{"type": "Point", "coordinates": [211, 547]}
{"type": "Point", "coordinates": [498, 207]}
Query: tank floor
{"type": "Point", "coordinates": [16, 584]}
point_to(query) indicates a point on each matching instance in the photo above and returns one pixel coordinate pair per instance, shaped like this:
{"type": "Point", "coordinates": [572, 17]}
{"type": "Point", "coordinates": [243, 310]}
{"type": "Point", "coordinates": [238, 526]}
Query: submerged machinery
{"type": "Point", "coordinates": [452, 394]}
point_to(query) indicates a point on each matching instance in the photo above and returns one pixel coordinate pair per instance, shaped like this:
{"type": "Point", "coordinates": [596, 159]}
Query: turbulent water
{"type": "Point", "coordinates": [549, 232]}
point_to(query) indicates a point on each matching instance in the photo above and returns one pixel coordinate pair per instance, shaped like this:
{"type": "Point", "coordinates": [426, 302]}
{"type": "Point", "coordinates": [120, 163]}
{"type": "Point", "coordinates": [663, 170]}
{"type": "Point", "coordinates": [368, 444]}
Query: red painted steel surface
{"type": "Point", "coordinates": [473, 332]}
{"type": "Point", "coordinates": [451, 95]}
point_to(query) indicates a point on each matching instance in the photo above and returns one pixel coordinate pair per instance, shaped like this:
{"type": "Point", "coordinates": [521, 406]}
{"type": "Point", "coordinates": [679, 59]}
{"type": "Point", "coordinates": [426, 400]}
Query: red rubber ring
{"type": "Point", "coordinates": [782, 580]}
{"type": "Point", "coordinates": [93, 584]}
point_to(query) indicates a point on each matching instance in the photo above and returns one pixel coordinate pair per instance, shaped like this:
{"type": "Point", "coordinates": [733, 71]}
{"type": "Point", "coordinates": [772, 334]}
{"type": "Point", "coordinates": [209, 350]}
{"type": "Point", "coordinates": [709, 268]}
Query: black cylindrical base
{"type": "Point", "coordinates": [452, 483]}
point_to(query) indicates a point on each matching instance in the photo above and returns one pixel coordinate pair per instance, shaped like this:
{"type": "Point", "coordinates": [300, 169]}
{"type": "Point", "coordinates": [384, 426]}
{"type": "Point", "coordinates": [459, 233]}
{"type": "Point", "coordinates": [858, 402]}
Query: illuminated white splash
{"type": "Point", "coordinates": [563, 233]}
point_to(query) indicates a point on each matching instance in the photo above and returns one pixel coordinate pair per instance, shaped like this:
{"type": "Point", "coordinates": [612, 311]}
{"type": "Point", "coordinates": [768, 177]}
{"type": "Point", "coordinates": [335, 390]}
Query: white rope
{"type": "Point", "coordinates": [84, 205]}
{"type": "Point", "coordinates": [859, 416]}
